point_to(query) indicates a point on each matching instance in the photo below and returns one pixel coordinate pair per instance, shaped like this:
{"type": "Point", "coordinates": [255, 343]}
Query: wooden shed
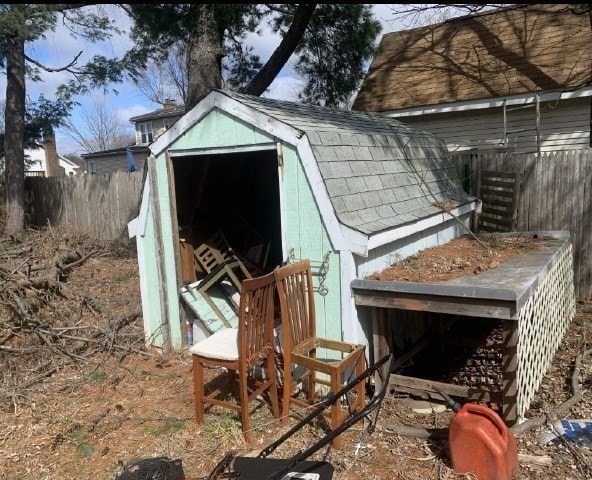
{"type": "Point", "coordinates": [351, 191]}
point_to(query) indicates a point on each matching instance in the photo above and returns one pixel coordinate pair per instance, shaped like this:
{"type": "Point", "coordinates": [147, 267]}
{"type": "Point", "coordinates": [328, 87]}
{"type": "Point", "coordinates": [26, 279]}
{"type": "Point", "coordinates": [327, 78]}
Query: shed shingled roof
{"type": "Point", "coordinates": [379, 173]}
{"type": "Point", "coordinates": [515, 50]}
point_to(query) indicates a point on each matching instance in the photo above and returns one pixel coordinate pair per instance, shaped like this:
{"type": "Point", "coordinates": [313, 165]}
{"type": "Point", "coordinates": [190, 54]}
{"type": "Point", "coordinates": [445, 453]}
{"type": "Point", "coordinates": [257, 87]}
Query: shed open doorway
{"type": "Point", "coordinates": [235, 194]}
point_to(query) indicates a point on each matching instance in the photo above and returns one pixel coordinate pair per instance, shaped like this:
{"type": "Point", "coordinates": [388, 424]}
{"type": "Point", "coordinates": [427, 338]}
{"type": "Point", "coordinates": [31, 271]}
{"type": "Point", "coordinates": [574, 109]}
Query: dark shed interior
{"type": "Point", "coordinates": [233, 194]}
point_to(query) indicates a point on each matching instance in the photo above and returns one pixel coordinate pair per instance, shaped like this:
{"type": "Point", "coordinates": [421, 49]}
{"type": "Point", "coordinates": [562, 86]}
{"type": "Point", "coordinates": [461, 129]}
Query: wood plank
{"type": "Point", "coordinates": [414, 384]}
{"type": "Point", "coordinates": [585, 273]}
{"type": "Point", "coordinates": [506, 223]}
{"type": "Point", "coordinates": [380, 340]}
{"type": "Point", "coordinates": [458, 306]}
{"type": "Point", "coordinates": [491, 193]}
{"type": "Point", "coordinates": [502, 173]}
{"type": "Point", "coordinates": [510, 373]}
{"type": "Point", "coordinates": [507, 203]}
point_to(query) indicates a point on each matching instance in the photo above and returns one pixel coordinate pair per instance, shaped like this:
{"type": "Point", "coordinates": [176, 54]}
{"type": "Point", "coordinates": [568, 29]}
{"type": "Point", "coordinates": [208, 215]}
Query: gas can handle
{"type": "Point", "coordinates": [494, 417]}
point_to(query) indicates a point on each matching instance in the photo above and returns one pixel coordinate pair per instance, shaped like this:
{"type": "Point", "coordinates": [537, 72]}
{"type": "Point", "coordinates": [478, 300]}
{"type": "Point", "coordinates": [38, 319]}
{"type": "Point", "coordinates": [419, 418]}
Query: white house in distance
{"type": "Point", "coordinates": [36, 163]}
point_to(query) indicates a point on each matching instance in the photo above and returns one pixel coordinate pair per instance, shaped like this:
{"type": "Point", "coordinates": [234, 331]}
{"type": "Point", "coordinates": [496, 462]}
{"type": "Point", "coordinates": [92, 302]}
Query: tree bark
{"type": "Point", "coordinates": [204, 56]}
{"type": "Point", "coordinates": [14, 140]}
{"type": "Point", "coordinates": [282, 53]}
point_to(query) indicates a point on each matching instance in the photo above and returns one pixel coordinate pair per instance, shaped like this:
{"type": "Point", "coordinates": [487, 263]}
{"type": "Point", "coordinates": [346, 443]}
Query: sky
{"type": "Point", "coordinates": [60, 47]}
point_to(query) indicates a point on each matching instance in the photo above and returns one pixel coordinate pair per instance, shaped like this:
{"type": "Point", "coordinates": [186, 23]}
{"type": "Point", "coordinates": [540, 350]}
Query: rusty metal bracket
{"type": "Point", "coordinates": [318, 269]}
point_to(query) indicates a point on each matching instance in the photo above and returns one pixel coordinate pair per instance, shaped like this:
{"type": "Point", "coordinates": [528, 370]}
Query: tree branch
{"type": "Point", "coordinates": [49, 69]}
{"type": "Point", "coordinates": [282, 53]}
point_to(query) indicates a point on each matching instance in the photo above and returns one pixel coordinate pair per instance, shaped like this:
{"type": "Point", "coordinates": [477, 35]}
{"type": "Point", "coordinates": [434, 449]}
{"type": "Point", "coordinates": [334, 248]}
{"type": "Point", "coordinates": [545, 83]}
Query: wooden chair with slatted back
{"type": "Point", "coordinates": [300, 345]}
{"type": "Point", "coordinates": [239, 351]}
{"type": "Point", "coordinates": [216, 254]}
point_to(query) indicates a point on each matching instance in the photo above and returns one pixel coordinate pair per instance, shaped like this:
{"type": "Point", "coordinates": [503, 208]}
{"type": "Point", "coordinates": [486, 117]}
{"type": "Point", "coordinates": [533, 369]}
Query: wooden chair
{"type": "Point", "coordinates": [216, 254]}
{"type": "Point", "coordinates": [300, 344]}
{"type": "Point", "coordinates": [239, 350]}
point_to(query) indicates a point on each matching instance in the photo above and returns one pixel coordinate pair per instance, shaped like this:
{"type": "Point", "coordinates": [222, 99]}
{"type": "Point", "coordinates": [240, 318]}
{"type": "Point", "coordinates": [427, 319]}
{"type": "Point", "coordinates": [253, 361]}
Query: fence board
{"type": "Point", "coordinates": [555, 194]}
{"type": "Point", "coordinates": [100, 205]}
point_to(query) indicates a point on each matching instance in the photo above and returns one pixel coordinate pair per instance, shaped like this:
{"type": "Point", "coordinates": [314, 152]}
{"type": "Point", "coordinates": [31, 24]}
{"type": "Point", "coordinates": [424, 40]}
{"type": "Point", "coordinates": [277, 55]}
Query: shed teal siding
{"type": "Point", "coordinates": [307, 236]}
{"type": "Point", "coordinates": [219, 129]}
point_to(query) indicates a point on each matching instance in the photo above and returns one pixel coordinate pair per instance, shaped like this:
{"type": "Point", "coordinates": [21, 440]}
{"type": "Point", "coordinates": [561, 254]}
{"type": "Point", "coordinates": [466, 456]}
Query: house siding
{"type": "Point", "coordinates": [565, 125]}
{"type": "Point", "coordinates": [114, 163]}
{"type": "Point", "coordinates": [158, 128]}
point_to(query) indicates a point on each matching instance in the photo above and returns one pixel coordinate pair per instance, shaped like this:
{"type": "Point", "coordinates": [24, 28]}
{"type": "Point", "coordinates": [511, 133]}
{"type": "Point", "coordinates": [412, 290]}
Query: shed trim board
{"type": "Point", "coordinates": [347, 266]}
{"type": "Point", "coordinates": [382, 238]}
{"type": "Point", "coordinates": [282, 194]}
{"type": "Point", "coordinates": [514, 100]}
{"type": "Point", "coordinates": [195, 152]}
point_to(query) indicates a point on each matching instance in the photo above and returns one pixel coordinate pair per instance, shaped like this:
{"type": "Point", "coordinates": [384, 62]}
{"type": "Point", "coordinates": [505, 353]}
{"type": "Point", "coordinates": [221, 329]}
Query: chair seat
{"type": "Point", "coordinates": [222, 345]}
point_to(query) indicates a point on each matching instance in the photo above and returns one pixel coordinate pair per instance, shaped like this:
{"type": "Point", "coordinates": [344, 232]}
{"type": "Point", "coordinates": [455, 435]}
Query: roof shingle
{"type": "Point", "coordinates": [521, 49]}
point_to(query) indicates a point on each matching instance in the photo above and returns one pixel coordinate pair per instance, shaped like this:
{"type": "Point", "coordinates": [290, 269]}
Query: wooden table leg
{"type": "Point", "coordinates": [510, 367]}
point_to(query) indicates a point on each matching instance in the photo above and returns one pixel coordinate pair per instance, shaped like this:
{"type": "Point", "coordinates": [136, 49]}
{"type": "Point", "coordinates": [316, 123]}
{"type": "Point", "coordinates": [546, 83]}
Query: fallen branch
{"type": "Point", "coordinates": [562, 409]}
{"type": "Point", "coordinates": [417, 432]}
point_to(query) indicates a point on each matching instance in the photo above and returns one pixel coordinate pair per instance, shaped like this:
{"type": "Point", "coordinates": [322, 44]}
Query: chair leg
{"type": "Point", "coordinates": [361, 390]}
{"type": "Point", "coordinates": [336, 407]}
{"type": "Point", "coordinates": [287, 391]}
{"type": "Point", "coordinates": [244, 405]}
{"type": "Point", "coordinates": [273, 394]}
{"type": "Point", "coordinates": [198, 389]}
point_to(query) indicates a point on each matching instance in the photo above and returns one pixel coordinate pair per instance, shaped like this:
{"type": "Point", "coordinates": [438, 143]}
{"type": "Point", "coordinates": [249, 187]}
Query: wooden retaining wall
{"type": "Point", "coordinates": [555, 194]}
{"type": "Point", "coordinates": [100, 205]}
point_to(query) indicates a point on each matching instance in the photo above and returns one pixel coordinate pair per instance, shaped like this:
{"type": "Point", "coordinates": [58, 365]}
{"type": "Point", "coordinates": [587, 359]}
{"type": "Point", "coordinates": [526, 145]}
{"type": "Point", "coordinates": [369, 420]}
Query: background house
{"type": "Point", "coordinates": [350, 191]}
{"type": "Point", "coordinates": [36, 163]}
{"type": "Point", "coordinates": [148, 127]}
{"type": "Point", "coordinates": [152, 125]}
{"type": "Point", "coordinates": [515, 79]}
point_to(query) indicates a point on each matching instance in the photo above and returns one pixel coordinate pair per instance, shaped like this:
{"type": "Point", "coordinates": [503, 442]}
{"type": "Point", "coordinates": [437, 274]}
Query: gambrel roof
{"type": "Point", "coordinates": [372, 172]}
{"type": "Point", "coordinates": [514, 50]}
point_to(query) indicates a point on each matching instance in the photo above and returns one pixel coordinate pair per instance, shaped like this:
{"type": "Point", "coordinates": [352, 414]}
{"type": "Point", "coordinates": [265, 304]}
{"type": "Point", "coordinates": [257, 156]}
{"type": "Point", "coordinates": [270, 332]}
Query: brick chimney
{"type": "Point", "coordinates": [169, 103]}
{"type": "Point", "coordinates": [52, 161]}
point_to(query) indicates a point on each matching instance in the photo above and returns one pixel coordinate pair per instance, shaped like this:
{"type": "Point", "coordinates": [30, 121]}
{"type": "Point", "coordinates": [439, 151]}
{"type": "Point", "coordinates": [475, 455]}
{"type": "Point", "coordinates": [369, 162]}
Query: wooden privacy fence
{"type": "Point", "coordinates": [100, 205]}
{"type": "Point", "coordinates": [554, 195]}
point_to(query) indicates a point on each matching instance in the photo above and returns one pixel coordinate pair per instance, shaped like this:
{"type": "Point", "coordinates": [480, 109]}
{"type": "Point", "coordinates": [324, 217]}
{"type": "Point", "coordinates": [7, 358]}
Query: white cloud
{"type": "Point", "coordinates": [285, 88]}
{"type": "Point", "coordinates": [126, 113]}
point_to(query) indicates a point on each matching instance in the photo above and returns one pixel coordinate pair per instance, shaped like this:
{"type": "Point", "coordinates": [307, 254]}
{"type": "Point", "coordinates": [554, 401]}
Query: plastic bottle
{"type": "Point", "coordinates": [481, 443]}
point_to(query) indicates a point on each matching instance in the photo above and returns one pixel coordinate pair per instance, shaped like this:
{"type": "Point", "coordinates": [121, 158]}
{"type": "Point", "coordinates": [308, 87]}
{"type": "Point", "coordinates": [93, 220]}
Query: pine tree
{"type": "Point", "coordinates": [331, 41]}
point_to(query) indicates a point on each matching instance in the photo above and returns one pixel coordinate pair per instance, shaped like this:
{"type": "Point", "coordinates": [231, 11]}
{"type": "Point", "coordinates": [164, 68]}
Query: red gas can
{"type": "Point", "coordinates": [481, 443]}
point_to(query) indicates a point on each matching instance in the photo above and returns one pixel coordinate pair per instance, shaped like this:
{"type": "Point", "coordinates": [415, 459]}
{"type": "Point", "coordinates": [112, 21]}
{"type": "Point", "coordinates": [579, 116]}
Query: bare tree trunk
{"type": "Point", "coordinates": [204, 57]}
{"type": "Point", "coordinates": [14, 140]}
{"type": "Point", "coordinates": [282, 53]}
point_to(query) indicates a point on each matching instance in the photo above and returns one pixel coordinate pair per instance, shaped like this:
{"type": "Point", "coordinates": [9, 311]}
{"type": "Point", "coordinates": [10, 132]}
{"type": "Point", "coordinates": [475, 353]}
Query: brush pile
{"type": "Point", "coordinates": [45, 324]}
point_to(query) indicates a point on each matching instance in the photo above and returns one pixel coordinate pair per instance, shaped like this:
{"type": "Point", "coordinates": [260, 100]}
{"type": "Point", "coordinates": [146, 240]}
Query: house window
{"type": "Point", "coordinates": [166, 123]}
{"type": "Point", "coordinates": [92, 167]}
{"type": "Point", "coordinates": [146, 133]}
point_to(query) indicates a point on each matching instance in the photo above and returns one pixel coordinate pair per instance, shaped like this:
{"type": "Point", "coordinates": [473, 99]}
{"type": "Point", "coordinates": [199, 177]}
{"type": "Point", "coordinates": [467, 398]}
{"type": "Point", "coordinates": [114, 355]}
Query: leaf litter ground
{"type": "Point", "coordinates": [126, 403]}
